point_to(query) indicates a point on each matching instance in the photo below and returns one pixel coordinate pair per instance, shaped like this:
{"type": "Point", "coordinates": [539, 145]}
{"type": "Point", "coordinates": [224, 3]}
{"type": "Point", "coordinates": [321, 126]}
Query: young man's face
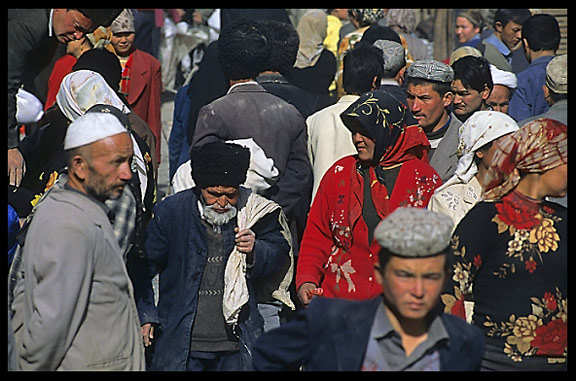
{"type": "Point", "coordinates": [412, 286]}
{"type": "Point", "coordinates": [427, 106]}
{"type": "Point", "coordinates": [467, 100]}
{"type": "Point", "coordinates": [510, 34]}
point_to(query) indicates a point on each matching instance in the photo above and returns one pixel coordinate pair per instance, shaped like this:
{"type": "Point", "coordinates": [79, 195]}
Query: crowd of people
{"type": "Point", "coordinates": [340, 199]}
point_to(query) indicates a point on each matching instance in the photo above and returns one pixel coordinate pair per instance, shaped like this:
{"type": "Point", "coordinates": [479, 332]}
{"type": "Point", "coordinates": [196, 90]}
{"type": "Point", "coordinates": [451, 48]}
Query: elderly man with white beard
{"type": "Point", "coordinates": [219, 250]}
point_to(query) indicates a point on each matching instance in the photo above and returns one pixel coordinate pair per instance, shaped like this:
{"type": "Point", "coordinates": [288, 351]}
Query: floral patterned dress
{"type": "Point", "coordinates": [510, 256]}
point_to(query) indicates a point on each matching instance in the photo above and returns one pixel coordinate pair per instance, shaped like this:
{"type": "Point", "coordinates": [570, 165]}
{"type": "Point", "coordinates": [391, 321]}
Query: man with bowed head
{"type": "Point", "coordinates": [70, 283]}
{"type": "Point", "coordinates": [401, 329]}
{"type": "Point", "coordinates": [219, 249]}
{"type": "Point", "coordinates": [32, 41]}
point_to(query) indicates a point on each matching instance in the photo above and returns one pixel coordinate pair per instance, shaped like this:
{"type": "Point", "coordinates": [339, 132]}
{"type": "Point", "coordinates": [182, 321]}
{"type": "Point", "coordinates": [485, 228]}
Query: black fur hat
{"type": "Point", "coordinates": [219, 163]}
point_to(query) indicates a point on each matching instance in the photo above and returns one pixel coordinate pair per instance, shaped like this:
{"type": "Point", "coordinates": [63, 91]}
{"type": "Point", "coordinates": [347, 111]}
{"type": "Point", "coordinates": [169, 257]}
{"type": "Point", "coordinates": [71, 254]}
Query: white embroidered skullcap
{"type": "Point", "coordinates": [502, 77]}
{"type": "Point", "coordinates": [90, 128]}
{"type": "Point", "coordinates": [414, 232]}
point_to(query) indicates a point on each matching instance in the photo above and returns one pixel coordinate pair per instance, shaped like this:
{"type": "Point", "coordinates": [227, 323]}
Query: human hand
{"type": "Point", "coordinates": [147, 332]}
{"type": "Point", "coordinates": [16, 167]}
{"type": "Point", "coordinates": [307, 291]}
{"type": "Point", "coordinates": [244, 240]}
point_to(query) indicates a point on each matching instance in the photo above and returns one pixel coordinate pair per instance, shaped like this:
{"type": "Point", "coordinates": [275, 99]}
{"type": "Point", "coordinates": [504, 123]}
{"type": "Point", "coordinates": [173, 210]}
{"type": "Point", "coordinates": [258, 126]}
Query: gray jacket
{"type": "Point", "coordinates": [73, 305]}
{"type": "Point", "coordinates": [444, 158]}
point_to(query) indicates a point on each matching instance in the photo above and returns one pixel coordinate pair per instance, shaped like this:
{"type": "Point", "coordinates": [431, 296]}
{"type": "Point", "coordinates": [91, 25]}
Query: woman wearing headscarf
{"type": "Point", "coordinates": [390, 170]}
{"type": "Point", "coordinates": [315, 65]}
{"type": "Point", "coordinates": [476, 146]}
{"type": "Point", "coordinates": [510, 253]}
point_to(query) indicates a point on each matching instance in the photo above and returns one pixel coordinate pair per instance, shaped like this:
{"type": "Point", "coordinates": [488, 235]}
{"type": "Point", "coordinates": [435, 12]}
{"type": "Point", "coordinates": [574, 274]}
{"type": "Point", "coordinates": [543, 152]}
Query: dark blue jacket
{"type": "Point", "coordinates": [332, 335]}
{"type": "Point", "coordinates": [176, 249]}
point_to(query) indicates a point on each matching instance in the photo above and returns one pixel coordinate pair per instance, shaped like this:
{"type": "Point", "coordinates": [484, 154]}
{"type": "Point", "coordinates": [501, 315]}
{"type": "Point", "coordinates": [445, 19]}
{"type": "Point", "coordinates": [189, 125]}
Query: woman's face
{"type": "Point", "coordinates": [365, 147]}
{"type": "Point", "coordinates": [465, 30]}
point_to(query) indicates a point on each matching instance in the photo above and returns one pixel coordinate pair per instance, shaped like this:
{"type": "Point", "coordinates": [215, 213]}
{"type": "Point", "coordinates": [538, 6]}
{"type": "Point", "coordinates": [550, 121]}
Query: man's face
{"type": "Point", "coordinates": [219, 204]}
{"type": "Point", "coordinates": [511, 34]}
{"type": "Point", "coordinates": [427, 106]}
{"type": "Point", "coordinates": [467, 100]}
{"type": "Point", "coordinates": [70, 25]}
{"type": "Point", "coordinates": [123, 43]}
{"type": "Point", "coordinates": [499, 99]}
{"type": "Point", "coordinates": [109, 167]}
{"type": "Point", "coordinates": [412, 286]}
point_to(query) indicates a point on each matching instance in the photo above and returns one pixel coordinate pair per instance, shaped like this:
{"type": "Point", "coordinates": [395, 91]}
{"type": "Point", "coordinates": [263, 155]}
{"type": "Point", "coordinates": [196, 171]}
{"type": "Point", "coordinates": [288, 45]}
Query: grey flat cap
{"type": "Point", "coordinates": [430, 70]}
{"type": "Point", "coordinates": [394, 56]}
{"type": "Point", "coordinates": [557, 74]}
{"type": "Point", "coordinates": [414, 232]}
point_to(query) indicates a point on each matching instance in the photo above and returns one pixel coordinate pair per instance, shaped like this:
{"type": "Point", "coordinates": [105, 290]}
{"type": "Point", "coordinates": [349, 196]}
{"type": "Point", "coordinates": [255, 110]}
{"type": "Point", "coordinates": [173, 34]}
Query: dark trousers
{"type": "Point", "coordinates": [214, 361]}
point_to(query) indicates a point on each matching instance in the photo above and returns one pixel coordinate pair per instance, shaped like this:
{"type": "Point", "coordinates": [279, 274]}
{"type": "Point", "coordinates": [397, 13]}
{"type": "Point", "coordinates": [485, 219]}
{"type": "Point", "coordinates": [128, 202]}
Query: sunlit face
{"type": "Point", "coordinates": [427, 106]}
{"type": "Point", "coordinates": [123, 43]}
{"type": "Point", "coordinates": [465, 30]}
{"type": "Point", "coordinates": [467, 100]}
{"type": "Point", "coordinates": [499, 99]}
{"type": "Point", "coordinates": [511, 34]}
{"type": "Point", "coordinates": [365, 147]}
{"type": "Point", "coordinates": [70, 25]}
{"type": "Point", "coordinates": [412, 286]}
{"type": "Point", "coordinates": [109, 167]}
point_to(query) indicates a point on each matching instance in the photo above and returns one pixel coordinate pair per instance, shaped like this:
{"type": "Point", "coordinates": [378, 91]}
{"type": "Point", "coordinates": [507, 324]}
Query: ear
{"type": "Point", "coordinates": [448, 98]}
{"type": "Point", "coordinates": [79, 167]}
{"type": "Point", "coordinates": [375, 83]}
{"type": "Point", "coordinates": [486, 92]}
{"type": "Point", "coordinates": [498, 26]}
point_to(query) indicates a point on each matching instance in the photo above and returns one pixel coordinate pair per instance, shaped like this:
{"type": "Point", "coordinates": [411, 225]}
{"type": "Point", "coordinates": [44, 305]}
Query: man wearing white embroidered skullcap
{"type": "Point", "coordinates": [476, 138]}
{"type": "Point", "coordinates": [504, 84]}
{"type": "Point", "coordinates": [71, 247]}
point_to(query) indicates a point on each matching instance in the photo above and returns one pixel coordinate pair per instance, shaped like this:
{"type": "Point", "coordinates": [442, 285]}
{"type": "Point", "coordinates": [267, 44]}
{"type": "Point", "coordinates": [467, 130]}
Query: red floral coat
{"type": "Point", "coordinates": [335, 253]}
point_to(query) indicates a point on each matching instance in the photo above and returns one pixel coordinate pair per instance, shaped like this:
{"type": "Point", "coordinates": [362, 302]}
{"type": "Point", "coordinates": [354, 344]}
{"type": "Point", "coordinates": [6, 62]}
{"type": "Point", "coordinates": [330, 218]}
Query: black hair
{"type": "Point", "coordinates": [285, 42]}
{"type": "Point", "coordinates": [379, 32]}
{"type": "Point", "coordinates": [361, 65]}
{"type": "Point", "coordinates": [542, 32]}
{"type": "Point", "coordinates": [473, 72]}
{"type": "Point", "coordinates": [504, 16]}
{"type": "Point", "coordinates": [243, 49]}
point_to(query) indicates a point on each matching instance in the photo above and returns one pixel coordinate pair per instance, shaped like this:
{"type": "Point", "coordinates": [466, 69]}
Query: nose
{"type": "Point", "coordinates": [125, 171]}
{"type": "Point", "coordinates": [418, 288]}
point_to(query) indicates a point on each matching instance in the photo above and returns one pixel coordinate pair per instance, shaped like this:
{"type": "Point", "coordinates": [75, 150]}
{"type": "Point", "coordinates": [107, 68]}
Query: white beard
{"type": "Point", "coordinates": [215, 219]}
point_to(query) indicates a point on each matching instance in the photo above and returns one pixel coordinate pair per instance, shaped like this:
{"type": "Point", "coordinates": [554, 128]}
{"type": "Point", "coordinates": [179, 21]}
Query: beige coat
{"type": "Point", "coordinates": [73, 306]}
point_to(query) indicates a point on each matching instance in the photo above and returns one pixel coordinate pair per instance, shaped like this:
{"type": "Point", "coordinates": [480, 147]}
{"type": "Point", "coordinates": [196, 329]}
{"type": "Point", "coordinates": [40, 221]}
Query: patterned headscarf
{"type": "Point", "coordinates": [480, 129]}
{"type": "Point", "coordinates": [381, 117]}
{"type": "Point", "coordinates": [538, 146]}
{"type": "Point", "coordinates": [82, 89]}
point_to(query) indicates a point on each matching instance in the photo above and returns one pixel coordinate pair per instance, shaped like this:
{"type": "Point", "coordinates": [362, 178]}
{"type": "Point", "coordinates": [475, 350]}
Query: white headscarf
{"type": "Point", "coordinates": [480, 129]}
{"type": "Point", "coordinates": [82, 89]}
{"type": "Point", "coordinates": [312, 30]}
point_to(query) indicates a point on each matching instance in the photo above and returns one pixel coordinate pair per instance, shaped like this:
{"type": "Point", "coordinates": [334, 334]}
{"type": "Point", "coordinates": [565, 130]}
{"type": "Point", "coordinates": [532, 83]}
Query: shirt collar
{"type": "Point", "coordinates": [240, 84]}
{"type": "Point", "coordinates": [381, 327]}
{"type": "Point", "coordinates": [50, 33]}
